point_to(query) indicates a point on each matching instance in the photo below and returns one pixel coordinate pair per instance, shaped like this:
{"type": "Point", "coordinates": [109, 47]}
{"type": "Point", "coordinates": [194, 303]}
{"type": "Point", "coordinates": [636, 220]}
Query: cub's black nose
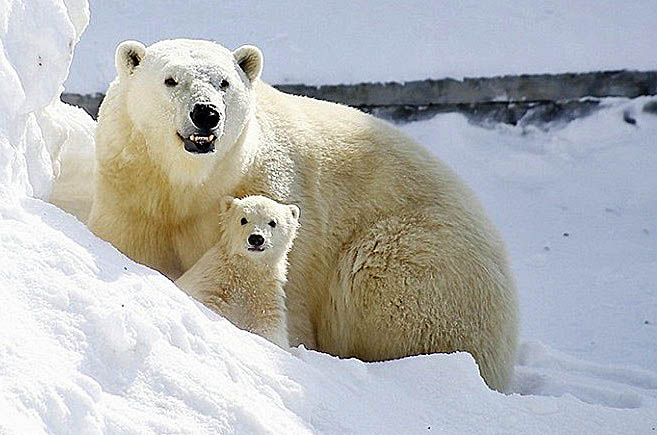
{"type": "Point", "coordinates": [256, 240]}
{"type": "Point", "coordinates": [205, 116]}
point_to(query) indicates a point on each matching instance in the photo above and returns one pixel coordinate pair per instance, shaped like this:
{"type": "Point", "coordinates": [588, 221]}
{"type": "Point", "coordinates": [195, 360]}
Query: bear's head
{"type": "Point", "coordinates": [259, 227]}
{"type": "Point", "coordinates": [189, 99]}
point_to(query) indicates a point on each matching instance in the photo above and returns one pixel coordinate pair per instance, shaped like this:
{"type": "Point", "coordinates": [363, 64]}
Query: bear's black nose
{"type": "Point", "coordinates": [205, 116]}
{"type": "Point", "coordinates": [256, 240]}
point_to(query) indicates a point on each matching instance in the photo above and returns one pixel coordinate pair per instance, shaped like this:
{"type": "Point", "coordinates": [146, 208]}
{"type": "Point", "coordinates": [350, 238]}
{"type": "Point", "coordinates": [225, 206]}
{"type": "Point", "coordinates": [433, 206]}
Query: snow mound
{"type": "Point", "coordinates": [93, 342]}
{"type": "Point", "coordinates": [33, 69]}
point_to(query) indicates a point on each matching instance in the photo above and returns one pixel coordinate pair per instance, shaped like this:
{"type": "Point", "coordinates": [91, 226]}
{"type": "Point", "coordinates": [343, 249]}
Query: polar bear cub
{"type": "Point", "coordinates": [242, 276]}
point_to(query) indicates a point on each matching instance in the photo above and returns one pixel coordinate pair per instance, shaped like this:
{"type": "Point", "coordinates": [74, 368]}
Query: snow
{"type": "Point", "coordinates": [318, 42]}
{"type": "Point", "coordinates": [91, 342]}
{"type": "Point", "coordinates": [577, 207]}
{"type": "Point", "coordinates": [32, 70]}
{"type": "Point", "coordinates": [69, 132]}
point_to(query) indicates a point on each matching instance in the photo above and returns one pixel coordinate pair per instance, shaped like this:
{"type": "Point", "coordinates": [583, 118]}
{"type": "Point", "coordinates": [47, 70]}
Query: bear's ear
{"type": "Point", "coordinates": [295, 211]}
{"type": "Point", "coordinates": [225, 203]}
{"type": "Point", "coordinates": [128, 55]}
{"type": "Point", "coordinates": [249, 58]}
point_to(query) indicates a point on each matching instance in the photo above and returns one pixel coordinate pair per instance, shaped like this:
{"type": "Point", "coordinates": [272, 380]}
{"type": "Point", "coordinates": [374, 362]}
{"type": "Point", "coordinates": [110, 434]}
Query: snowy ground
{"type": "Point", "coordinates": [91, 342]}
{"type": "Point", "coordinates": [320, 42]}
{"type": "Point", "coordinates": [577, 206]}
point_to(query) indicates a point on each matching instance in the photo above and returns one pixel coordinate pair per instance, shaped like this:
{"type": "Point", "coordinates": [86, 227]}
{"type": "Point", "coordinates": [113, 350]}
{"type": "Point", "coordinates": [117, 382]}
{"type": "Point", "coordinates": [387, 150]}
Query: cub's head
{"type": "Point", "coordinates": [259, 227]}
{"type": "Point", "coordinates": [189, 99]}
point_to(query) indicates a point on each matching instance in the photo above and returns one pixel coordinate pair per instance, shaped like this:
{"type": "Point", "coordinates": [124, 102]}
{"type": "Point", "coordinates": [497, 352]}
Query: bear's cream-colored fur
{"type": "Point", "coordinates": [242, 281]}
{"type": "Point", "coordinates": [395, 256]}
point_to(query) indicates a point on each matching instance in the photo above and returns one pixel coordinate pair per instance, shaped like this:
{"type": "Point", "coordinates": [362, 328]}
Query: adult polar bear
{"type": "Point", "coordinates": [394, 256]}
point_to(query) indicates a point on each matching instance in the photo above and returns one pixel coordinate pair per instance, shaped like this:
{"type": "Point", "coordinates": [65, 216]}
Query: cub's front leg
{"type": "Point", "coordinates": [226, 289]}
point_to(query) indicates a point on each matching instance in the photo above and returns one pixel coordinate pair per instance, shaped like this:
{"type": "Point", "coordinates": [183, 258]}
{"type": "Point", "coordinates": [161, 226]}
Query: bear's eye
{"type": "Point", "coordinates": [170, 82]}
{"type": "Point", "coordinates": [224, 84]}
{"type": "Point", "coordinates": [244, 221]}
{"type": "Point", "coordinates": [272, 224]}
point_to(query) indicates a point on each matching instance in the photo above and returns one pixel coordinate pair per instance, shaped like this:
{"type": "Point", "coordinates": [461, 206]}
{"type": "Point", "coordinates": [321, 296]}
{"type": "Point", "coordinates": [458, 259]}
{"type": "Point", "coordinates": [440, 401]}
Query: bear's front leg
{"type": "Point", "coordinates": [144, 243]}
{"type": "Point", "coordinates": [268, 318]}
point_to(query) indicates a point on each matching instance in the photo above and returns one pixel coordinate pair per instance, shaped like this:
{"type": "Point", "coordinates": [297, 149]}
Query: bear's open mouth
{"type": "Point", "coordinates": [199, 143]}
{"type": "Point", "coordinates": [255, 248]}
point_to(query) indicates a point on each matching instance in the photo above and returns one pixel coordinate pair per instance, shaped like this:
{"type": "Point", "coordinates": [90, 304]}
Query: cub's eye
{"type": "Point", "coordinates": [224, 84]}
{"type": "Point", "coordinates": [272, 224]}
{"type": "Point", "coordinates": [170, 82]}
{"type": "Point", "coordinates": [244, 221]}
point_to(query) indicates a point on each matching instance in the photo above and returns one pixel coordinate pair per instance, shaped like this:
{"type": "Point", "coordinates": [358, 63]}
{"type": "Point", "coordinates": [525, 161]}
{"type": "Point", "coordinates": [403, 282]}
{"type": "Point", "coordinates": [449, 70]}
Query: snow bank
{"type": "Point", "coordinates": [37, 40]}
{"type": "Point", "coordinates": [91, 342]}
{"type": "Point", "coordinates": [318, 42]}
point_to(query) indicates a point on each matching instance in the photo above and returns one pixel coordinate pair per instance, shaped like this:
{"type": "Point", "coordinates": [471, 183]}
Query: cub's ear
{"type": "Point", "coordinates": [249, 58]}
{"type": "Point", "coordinates": [295, 211]}
{"type": "Point", "coordinates": [128, 56]}
{"type": "Point", "coordinates": [225, 203]}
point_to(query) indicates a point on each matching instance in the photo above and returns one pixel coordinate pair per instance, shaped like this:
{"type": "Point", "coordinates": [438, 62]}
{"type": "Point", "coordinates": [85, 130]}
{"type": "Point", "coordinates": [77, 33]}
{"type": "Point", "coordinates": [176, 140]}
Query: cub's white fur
{"type": "Point", "coordinates": [244, 282]}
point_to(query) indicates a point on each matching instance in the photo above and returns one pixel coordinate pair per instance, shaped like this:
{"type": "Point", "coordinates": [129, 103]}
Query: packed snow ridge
{"type": "Point", "coordinates": [91, 342]}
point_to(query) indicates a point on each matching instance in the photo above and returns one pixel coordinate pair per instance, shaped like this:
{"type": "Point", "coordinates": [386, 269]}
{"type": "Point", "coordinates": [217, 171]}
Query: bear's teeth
{"type": "Point", "coordinates": [195, 138]}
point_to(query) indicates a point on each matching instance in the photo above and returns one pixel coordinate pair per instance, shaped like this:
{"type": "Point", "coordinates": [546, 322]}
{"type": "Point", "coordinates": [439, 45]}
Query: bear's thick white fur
{"type": "Point", "coordinates": [394, 256]}
{"type": "Point", "coordinates": [243, 282]}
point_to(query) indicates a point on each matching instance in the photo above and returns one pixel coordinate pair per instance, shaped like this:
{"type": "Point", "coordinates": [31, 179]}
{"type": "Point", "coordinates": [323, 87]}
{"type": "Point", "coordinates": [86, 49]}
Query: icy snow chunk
{"type": "Point", "coordinates": [41, 59]}
{"type": "Point", "coordinates": [68, 132]}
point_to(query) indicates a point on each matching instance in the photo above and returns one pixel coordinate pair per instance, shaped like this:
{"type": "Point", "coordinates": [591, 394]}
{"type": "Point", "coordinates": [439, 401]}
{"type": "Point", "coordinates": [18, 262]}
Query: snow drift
{"type": "Point", "coordinates": [36, 129]}
{"type": "Point", "coordinates": [91, 342]}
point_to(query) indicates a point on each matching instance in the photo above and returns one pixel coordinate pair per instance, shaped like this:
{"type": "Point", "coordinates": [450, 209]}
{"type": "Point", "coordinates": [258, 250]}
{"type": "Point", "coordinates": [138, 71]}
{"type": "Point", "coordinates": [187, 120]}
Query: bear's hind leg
{"type": "Point", "coordinates": [413, 285]}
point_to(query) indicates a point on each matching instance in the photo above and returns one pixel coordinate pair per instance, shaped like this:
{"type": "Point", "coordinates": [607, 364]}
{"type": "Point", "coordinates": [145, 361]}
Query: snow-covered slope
{"type": "Point", "coordinates": [91, 342]}
{"type": "Point", "coordinates": [320, 42]}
